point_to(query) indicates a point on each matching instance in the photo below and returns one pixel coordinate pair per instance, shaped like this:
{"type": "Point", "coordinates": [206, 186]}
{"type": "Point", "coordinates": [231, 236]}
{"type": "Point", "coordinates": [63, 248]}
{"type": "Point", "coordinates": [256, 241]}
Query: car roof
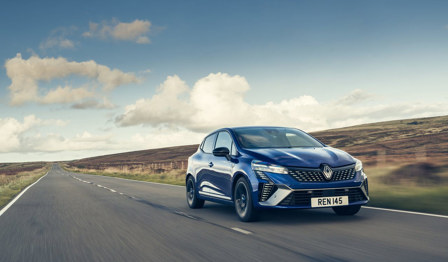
{"type": "Point", "coordinates": [248, 127]}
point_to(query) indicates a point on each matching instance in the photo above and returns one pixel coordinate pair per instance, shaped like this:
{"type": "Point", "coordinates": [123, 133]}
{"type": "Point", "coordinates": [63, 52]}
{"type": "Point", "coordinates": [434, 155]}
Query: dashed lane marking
{"type": "Point", "coordinates": [241, 230]}
{"type": "Point", "coordinates": [236, 229]}
{"type": "Point", "coordinates": [142, 181]}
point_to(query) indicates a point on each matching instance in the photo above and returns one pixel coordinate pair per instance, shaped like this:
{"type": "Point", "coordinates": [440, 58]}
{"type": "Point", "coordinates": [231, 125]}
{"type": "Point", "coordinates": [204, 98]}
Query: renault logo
{"type": "Point", "coordinates": [328, 173]}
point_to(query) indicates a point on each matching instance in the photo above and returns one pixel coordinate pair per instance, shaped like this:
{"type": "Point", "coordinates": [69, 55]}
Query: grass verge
{"type": "Point", "coordinates": [11, 185]}
{"type": "Point", "coordinates": [416, 194]}
{"type": "Point", "coordinates": [172, 177]}
{"type": "Point", "coordinates": [426, 199]}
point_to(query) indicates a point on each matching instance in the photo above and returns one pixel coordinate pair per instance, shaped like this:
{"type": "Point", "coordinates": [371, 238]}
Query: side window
{"type": "Point", "coordinates": [224, 140]}
{"type": "Point", "coordinates": [207, 146]}
{"type": "Point", "coordinates": [233, 152]}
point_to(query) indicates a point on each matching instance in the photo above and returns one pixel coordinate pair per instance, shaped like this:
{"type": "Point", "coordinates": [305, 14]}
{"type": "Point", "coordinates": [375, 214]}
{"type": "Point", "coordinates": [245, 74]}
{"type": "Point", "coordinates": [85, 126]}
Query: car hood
{"type": "Point", "coordinates": [311, 157]}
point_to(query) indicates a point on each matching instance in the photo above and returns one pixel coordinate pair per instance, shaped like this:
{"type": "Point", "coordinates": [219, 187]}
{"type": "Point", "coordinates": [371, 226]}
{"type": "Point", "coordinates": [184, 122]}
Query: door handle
{"type": "Point", "coordinates": [210, 164]}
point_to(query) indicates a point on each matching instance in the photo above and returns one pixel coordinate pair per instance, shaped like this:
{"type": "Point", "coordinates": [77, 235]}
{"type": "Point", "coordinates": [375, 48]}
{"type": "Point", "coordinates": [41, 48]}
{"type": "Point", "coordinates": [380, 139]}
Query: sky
{"type": "Point", "coordinates": [86, 78]}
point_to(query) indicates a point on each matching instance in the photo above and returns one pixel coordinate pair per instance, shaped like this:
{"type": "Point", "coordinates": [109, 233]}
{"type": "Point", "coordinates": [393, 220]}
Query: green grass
{"type": "Point", "coordinates": [11, 185]}
{"type": "Point", "coordinates": [407, 195]}
{"type": "Point", "coordinates": [413, 198]}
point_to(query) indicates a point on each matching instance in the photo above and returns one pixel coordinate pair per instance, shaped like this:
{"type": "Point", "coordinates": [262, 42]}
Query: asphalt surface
{"type": "Point", "coordinates": [77, 217]}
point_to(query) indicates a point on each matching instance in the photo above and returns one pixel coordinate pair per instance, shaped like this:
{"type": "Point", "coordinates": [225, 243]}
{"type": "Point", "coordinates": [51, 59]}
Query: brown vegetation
{"type": "Point", "coordinates": [155, 161]}
{"type": "Point", "coordinates": [384, 144]}
{"type": "Point", "coordinates": [10, 169]}
{"type": "Point", "coordinates": [393, 142]}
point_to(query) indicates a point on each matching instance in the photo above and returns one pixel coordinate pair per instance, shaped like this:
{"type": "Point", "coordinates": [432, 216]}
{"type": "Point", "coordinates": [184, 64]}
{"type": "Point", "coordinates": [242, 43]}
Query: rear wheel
{"type": "Point", "coordinates": [192, 197]}
{"type": "Point", "coordinates": [347, 210]}
{"type": "Point", "coordinates": [243, 201]}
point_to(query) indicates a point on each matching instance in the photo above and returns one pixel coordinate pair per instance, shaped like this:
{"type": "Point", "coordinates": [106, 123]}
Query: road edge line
{"type": "Point", "coordinates": [406, 212]}
{"type": "Point", "coordinates": [19, 195]}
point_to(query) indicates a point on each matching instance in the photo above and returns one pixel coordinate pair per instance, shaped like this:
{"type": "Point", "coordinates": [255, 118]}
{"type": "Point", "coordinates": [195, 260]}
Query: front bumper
{"type": "Point", "coordinates": [299, 195]}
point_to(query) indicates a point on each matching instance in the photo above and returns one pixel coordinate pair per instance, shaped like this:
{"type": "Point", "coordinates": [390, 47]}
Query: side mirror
{"type": "Point", "coordinates": [222, 151]}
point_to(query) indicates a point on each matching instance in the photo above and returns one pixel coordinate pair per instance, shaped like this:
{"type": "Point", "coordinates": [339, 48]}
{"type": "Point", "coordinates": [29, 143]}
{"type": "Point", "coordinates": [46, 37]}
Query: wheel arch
{"type": "Point", "coordinates": [236, 177]}
{"type": "Point", "coordinates": [188, 176]}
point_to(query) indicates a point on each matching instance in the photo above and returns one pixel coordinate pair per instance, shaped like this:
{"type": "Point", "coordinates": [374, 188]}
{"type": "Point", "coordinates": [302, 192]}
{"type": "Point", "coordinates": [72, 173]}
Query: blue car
{"type": "Point", "coordinates": [257, 168]}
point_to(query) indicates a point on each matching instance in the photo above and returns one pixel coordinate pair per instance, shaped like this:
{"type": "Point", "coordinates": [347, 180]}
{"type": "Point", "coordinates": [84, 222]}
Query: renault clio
{"type": "Point", "coordinates": [257, 168]}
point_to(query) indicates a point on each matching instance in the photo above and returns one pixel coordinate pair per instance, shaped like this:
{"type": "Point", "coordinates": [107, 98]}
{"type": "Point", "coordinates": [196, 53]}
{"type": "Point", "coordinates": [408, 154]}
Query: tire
{"type": "Point", "coordinates": [243, 201]}
{"type": "Point", "coordinates": [347, 210]}
{"type": "Point", "coordinates": [192, 196]}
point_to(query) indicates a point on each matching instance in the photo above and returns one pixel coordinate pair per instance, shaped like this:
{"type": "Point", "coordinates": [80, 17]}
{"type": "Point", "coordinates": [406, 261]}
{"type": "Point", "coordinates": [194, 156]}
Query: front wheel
{"type": "Point", "coordinates": [192, 197]}
{"type": "Point", "coordinates": [347, 210]}
{"type": "Point", "coordinates": [243, 201]}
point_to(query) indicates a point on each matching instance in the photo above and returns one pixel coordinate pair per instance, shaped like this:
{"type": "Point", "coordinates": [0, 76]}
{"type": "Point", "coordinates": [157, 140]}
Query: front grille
{"type": "Point", "coordinates": [265, 191]}
{"type": "Point", "coordinates": [316, 175]}
{"type": "Point", "coordinates": [303, 198]}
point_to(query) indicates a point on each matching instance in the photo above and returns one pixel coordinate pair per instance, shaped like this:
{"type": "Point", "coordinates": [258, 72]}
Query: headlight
{"type": "Point", "coordinates": [258, 165]}
{"type": "Point", "coordinates": [358, 165]}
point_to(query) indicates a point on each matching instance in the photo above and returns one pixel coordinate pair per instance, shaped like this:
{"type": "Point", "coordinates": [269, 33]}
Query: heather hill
{"type": "Point", "coordinates": [377, 144]}
{"type": "Point", "coordinates": [393, 142]}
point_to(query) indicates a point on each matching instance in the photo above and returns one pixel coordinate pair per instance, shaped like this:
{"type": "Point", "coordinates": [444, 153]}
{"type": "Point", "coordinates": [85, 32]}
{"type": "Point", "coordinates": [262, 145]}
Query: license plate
{"type": "Point", "coordinates": [329, 201]}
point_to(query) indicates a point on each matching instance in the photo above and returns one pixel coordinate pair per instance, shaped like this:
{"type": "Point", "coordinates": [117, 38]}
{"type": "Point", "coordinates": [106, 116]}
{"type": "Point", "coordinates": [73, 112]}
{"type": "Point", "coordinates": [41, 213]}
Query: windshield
{"type": "Point", "coordinates": [273, 137]}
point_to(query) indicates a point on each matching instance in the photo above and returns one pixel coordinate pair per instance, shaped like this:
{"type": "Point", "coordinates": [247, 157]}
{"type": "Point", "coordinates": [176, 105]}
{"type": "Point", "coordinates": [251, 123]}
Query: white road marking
{"type": "Point", "coordinates": [137, 180]}
{"type": "Point", "coordinates": [241, 230]}
{"type": "Point", "coordinates": [406, 212]}
{"type": "Point", "coordinates": [110, 189]}
{"type": "Point", "coordinates": [19, 195]}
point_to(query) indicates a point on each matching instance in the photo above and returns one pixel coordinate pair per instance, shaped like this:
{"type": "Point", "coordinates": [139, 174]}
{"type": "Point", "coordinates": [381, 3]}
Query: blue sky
{"type": "Point", "coordinates": [97, 77]}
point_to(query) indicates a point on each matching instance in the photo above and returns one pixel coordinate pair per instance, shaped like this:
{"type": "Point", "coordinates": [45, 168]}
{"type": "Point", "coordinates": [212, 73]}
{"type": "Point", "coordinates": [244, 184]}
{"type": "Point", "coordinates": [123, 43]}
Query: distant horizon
{"type": "Point", "coordinates": [195, 144]}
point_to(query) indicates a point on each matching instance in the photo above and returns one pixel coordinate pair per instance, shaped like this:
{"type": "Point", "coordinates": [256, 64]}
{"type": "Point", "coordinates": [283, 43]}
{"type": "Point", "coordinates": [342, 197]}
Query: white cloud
{"type": "Point", "coordinates": [80, 142]}
{"type": "Point", "coordinates": [57, 42]}
{"type": "Point", "coordinates": [92, 103]}
{"type": "Point", "coordinates": [143, 40]}
{"type": "Point", "coordinates": [217, 100]}
{"type": "Point", "coordinates": [164, 137]}
{"type": "Point", "coordinates": [135, 31]}
{"type": "Point", "coordinates": [25, 75]}
{"type": "Point", "coordinates": [59, 39]}
{"type": "Point", "coordinates": [67, 94]}
{"type": "Point", "coordinates": [26, 137]}
{"type": "Point", "coordinates": [23, 137]}
{"type": "Point", "coordinates": [12, 131]}
{"type": "Point", "coordinates": [167, 106]}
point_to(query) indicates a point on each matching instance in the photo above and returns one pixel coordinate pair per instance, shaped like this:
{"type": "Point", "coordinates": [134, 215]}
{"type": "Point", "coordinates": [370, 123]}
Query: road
{"type": "Point", "coordinates": [77, 217]}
